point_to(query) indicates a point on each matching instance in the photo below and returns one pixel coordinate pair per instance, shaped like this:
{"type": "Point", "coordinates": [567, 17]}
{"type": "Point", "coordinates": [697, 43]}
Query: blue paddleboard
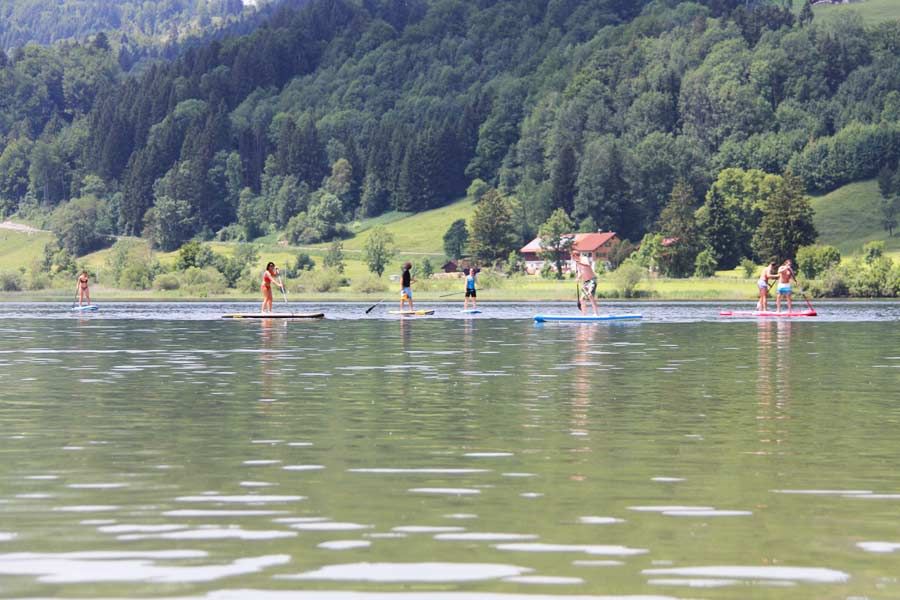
{"type": "Point", "coordinates": [86, 308]}
{"type": "Point", "coordinates": [584, 318]}
{"type": "Point", "coordinates": [470, 311]}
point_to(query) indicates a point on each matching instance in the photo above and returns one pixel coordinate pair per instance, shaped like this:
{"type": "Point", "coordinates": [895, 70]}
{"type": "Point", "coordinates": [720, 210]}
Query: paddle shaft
{"type": "Point", "coordinates": [451, 294]}
{"type": "Point", "coordinates": [368, 310]}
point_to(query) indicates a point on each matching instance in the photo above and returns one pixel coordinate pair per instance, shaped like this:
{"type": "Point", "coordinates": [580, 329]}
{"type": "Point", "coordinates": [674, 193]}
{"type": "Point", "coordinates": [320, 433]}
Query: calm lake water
{"type": "Point", "coordinates": [155, 450]}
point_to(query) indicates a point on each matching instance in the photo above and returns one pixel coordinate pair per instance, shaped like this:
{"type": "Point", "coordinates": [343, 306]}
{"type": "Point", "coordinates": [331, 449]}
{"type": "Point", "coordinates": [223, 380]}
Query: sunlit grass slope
{"type": "Point", "coordinates": [421, 233]}
{"type": "Point", "coordinates": [850, 216]}
{"type": "Point", "coordinates": [19, 249]}
{"type": "Point", "coordinates": [871, 11]}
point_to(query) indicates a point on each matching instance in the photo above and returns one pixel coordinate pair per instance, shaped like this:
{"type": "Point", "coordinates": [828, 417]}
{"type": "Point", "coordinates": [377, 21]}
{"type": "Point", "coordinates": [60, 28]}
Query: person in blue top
{"type": "Point", "coordinates": [470, 289]}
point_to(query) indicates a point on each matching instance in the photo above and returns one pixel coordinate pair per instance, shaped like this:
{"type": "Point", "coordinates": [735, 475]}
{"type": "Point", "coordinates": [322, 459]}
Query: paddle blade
{"type": "Point", "coordinates": [371, 308]}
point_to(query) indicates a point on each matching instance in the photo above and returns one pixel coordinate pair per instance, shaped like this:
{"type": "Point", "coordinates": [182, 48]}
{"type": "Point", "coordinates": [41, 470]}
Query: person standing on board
{"type": "Point", "coordinates": [785, 276]}
{"type": "Point", "coordinates": [406, 287]}
{"type": "Point", "coordinates": [587, 281]}
{"type": "Point", "coordinates": [270, 275]}
{"type": "Point", "coordinates": [470, 289]}
{"type": "Point", "coordinates": [81, 289]}
{"type": "Point", "coordinates": [763, 284]}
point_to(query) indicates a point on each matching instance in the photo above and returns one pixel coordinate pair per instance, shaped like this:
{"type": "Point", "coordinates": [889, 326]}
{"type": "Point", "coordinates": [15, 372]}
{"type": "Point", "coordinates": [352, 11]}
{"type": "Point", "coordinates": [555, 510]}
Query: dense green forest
{"type": "Point", "coordinates": [613, 110]}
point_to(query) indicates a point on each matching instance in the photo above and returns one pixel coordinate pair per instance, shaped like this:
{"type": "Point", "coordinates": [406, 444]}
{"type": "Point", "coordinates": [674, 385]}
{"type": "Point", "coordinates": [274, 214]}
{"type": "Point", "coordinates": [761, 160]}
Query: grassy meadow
{"type": "Point", "coordinates": [871, 11]}
{"type": "Point", "coordinates": [849, 217]}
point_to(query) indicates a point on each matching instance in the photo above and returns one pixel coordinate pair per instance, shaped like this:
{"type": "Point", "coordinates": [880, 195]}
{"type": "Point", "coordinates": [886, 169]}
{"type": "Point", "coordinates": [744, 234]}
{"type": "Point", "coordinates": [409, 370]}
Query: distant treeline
{"type": "Point", "coordinates": [345, 109]}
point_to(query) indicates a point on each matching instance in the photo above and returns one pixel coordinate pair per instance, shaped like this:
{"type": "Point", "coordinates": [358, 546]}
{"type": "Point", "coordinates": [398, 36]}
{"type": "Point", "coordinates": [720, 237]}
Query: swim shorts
{"type": "Point", "coordinates": [762, 284]}
{"type": "Point", "coordinates": [470, 293]}
{"type": "Point", "coordinates": [406, 293]}
{"type": "Point", "coordinates": [589, 287]}
{"type": "Point", "coordinates": [784, 288]}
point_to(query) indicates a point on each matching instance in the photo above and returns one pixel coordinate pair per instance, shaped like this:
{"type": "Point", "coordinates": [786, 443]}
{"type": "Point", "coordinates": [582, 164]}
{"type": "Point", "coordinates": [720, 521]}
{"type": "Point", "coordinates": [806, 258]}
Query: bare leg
{"type": "Point", "coordinates": [594, 304]}
{"type": "Point", "coordinates": [790, 300]}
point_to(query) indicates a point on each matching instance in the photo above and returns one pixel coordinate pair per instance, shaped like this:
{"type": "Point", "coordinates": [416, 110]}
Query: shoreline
{"type": "Point", "coordinates": [28, 298]}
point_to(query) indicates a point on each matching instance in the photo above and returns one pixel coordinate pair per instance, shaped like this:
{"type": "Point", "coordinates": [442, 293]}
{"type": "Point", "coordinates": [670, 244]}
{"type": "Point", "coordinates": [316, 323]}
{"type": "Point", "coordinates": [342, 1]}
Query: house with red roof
{"type": "Point", "coordinates": [595, 246]}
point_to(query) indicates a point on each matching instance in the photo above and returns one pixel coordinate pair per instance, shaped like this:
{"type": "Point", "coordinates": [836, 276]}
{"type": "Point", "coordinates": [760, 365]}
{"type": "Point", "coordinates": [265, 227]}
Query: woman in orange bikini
{"type": "Point", "coordinates": [81, 289]}
{"type": "Point", "coordinates": [270, 275]}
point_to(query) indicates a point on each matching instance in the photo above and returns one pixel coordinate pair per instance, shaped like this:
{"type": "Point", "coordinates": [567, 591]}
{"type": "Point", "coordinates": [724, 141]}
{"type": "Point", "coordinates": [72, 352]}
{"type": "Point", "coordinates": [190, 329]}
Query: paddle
{"type": "Point", "coordinates": [368, 310]}
{"type": "Point", "coordinates": [450, 294]}
{"type": "Point", "coordinates": [578, 295]}
{"type": "Point", "coordinates": [805, 297]}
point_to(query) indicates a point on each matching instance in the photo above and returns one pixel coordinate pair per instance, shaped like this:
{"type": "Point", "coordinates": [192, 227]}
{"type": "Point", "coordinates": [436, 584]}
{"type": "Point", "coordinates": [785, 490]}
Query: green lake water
{"type": "Point", "coordinates": [449, 459]}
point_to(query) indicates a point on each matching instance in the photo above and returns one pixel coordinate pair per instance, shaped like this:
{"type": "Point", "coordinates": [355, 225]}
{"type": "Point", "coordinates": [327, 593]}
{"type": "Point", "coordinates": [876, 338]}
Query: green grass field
{"type": "Point", "coordinates": [19, 249]}
{"type": "Point", "coordinates": [414, 234]}
{"type": "Point", "coordinates": [849, 217]}
{"type": "Point", "coordinates": [871, 11]}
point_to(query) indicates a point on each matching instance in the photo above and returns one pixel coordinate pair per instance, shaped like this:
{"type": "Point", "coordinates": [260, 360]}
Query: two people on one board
{"type": "Point", "coordinates": [81, 289]}
{"type": "Point", "coordinates": [587, 282]}
{"type": "Point", "coordinates": [784, 276]}
{"type": "Point", "coordinates": [270, 276]}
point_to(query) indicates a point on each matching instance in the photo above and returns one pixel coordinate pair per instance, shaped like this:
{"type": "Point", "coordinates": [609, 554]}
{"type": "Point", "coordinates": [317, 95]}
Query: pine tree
{"type": "Point", "coordinates": [787, 222]}
{"type": "Point", "coordinates": [563, 179]}
{"type": "Point", "coordinates": [678, 226]}
{"type": "Point", "coordinates": [492, 232]}
{"type": "Point", "coordinates": [719, 231]}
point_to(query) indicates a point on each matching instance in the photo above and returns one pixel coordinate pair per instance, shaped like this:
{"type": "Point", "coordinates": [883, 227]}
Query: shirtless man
{"type": "Point", "coordinates": [587, 281]}
{"type": "Point", "coordinates": [785, 276]}
{"type": "Point", "coordinates": [763, 285]}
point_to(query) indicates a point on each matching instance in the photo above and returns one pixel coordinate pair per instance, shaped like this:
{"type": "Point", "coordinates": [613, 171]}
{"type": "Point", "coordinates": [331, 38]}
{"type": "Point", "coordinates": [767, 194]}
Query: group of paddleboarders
{"type": "Point", "coordinates": [585, 276]}
{"type": "Point", "coordinates": [784, 276]}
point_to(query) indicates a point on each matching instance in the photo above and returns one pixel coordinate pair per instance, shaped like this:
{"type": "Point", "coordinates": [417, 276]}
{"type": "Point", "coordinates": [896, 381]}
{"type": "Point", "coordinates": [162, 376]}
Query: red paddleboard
{"type": "Point", "coordinates": [756, 313]}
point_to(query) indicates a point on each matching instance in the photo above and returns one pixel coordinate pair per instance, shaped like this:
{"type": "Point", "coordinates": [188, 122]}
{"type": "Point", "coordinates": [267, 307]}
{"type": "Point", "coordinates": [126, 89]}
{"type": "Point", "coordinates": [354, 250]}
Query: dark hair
{"type": "Point", "coordinates": [407, 265]}
{"type": "Point", "coordinates": [269, 265]}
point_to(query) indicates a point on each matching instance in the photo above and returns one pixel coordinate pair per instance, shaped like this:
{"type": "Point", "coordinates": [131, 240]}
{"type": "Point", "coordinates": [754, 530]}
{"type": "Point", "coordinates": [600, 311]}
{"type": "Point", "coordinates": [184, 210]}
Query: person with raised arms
{"type": "Point", "coordinates": [785, 276]}
{"type": "Point", "coordinates": [587, 281]}
{"type": "Point", "coordinates": [270, 275]}
{"type": "Point", "coordinates": [763, 284]}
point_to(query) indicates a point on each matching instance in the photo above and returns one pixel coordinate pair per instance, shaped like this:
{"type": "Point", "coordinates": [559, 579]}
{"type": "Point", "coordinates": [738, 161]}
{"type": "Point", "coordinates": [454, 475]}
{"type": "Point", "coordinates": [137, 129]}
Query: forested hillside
{"type": "Point", "coordinates": [345, 109]}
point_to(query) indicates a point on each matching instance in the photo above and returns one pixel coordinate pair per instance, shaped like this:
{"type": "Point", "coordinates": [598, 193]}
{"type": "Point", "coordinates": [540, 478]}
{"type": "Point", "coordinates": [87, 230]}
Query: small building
{"type": "Point", "coordinates": [450, 267]}
{"type": "Point", "coordinates": [595, 246]}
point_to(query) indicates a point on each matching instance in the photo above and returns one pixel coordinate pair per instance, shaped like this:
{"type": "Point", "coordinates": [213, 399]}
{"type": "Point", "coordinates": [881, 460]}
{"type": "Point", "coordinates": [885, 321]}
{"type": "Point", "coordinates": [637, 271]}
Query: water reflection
{"type": "Point", "coordinates": [585, 372]}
